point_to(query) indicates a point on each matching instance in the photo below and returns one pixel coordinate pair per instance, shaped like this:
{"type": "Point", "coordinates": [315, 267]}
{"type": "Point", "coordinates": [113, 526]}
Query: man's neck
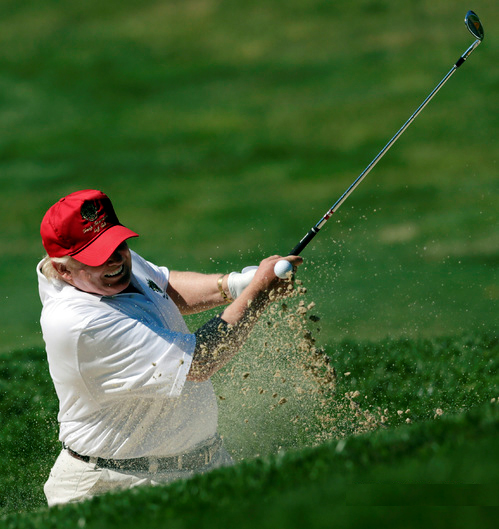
{"type": "Point", "coordinates": [131, 289]}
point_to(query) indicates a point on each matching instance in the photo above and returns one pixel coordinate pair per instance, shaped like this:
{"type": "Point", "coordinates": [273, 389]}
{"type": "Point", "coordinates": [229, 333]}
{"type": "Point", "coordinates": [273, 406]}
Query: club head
{"type": "Point", "coordinates": [474, 25]}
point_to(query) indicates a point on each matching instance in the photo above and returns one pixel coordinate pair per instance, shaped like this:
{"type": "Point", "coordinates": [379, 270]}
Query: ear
{"type": "Point", "coordinates": [63, 271]}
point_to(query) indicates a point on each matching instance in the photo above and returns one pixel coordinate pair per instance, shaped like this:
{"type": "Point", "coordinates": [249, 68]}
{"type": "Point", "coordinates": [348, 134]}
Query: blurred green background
{"type": "Point", "coordinates": [223, 130]}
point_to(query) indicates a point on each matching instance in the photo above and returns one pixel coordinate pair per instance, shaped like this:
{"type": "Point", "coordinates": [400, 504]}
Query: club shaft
{"type": "Point", "coordinates": [315, 229]}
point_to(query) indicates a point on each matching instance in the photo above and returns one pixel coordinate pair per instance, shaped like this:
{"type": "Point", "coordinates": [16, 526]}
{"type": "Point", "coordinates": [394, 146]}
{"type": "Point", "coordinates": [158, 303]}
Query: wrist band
{"type": "Point", "coordinates": [222, 291]}
{"type": "Point", "coordinates": [212, 334]}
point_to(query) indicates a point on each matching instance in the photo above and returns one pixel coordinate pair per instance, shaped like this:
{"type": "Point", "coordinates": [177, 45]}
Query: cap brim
{"type": "Point", "coordinates": [102, 247]}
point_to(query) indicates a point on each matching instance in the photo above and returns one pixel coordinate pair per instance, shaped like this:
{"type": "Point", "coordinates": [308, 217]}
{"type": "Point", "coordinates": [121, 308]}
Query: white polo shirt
{"type": "Point", "coordinates": [119, 365]}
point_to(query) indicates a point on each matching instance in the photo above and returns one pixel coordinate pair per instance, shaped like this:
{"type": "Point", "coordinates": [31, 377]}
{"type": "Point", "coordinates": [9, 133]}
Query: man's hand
{"type": "Point", "coordinates": [238, 281]}
{"type": "Point", "coordinates": [223, 336]}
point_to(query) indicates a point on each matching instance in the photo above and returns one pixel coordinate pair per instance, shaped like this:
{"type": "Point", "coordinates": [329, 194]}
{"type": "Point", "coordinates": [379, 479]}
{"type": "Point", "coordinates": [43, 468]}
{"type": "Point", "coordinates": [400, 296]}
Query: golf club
{"type": "Point", "coordinates": [475, 27]}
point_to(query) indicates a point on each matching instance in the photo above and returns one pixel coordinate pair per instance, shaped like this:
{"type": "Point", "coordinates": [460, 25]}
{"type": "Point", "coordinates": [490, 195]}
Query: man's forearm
{"type": "Point", "coordinates": [215, 346]}
{"type": "Point", "coordinates": [193, 292]}
{"type": "Point", "coordinates": [218, 341]}
{"type": "Point", "coordinates": [227, 334]}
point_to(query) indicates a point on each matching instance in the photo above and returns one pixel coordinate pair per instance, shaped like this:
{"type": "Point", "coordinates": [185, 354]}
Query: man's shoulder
{"type": "Point", "coordinates": [148, 273]}
{"type": "Point", "coordinates": [71, 307]}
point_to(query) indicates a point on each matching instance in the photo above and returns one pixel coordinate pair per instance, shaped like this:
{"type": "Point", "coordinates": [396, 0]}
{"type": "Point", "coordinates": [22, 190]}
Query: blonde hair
{"type": "Point", "coordinates": [49, 270]}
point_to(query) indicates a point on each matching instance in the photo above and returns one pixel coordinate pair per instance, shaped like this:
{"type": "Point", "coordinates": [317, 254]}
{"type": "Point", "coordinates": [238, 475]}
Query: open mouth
{"type": "Point", "coordinates": [116, 273]}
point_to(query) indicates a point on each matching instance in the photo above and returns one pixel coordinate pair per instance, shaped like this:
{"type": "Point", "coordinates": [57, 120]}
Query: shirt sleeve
{"type": "Point", "coordinates": [119, 356]}
{"type": "Point", "coordinates": [159, 274]}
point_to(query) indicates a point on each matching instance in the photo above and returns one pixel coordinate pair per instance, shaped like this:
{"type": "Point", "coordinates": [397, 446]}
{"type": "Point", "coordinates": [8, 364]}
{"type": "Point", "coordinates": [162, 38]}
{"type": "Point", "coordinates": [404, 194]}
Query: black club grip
{"type": "Point", "coordinates": [303, 243]}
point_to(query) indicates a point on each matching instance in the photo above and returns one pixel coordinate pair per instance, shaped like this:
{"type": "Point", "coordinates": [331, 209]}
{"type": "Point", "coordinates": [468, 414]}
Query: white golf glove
{"type": "Point", "coordinates": [238, 281]}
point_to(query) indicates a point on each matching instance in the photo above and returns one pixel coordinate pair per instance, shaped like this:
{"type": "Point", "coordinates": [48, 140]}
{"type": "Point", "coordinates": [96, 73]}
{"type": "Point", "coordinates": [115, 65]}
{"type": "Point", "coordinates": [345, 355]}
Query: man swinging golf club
{"type": "Point", "coordinates": [136, 402]}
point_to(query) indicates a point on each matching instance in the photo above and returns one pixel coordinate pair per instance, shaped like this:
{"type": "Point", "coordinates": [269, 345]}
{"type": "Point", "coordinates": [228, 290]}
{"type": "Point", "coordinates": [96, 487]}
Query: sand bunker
{"type": "Point", "coordinates": [281, 392]}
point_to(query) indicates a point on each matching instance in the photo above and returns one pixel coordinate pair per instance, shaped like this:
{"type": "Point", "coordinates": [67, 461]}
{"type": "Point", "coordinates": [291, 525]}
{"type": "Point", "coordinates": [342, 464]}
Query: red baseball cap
{"type": "Point", "coordinates": [84, 226]}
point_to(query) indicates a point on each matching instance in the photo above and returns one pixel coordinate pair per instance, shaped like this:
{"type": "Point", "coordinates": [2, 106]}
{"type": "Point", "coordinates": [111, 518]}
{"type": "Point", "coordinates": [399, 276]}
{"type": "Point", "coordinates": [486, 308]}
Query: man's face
{"type": "Point", "coordinates": [106, 280]}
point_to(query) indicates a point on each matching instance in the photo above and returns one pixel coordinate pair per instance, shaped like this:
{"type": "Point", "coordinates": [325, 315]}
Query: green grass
{"type": "Point", "coordinates": [400, 379]}
{"type": "Point", "coordinates": [411, 467]}
{"type": "Point", "coordinates": [223, 130]}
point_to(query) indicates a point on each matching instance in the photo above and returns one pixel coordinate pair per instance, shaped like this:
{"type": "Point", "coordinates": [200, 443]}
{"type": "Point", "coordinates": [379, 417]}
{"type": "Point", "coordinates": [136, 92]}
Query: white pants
{"type": "Point", "coordinates": [72, 480]}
